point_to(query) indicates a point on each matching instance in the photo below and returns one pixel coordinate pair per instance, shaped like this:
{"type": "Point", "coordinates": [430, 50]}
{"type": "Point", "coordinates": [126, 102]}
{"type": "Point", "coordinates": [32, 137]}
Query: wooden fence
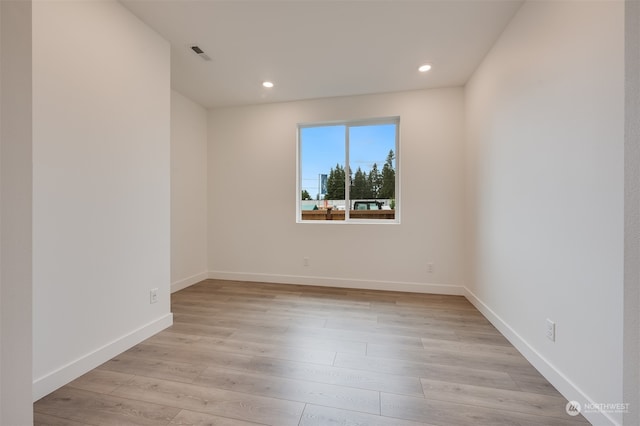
{"type": "Point", "coordinates": [331, 214]}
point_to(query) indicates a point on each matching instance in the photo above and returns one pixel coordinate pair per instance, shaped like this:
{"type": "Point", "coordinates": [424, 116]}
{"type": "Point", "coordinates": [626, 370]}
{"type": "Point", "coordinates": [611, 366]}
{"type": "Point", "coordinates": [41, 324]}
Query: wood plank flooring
{"type": "Point", "coordinates": [267, 354]}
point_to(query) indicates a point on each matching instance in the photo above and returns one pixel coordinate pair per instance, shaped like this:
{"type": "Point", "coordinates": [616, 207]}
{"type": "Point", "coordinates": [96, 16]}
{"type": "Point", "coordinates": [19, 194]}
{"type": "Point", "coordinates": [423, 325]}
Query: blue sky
{"type": "Point", "coordinates": [321, 148]}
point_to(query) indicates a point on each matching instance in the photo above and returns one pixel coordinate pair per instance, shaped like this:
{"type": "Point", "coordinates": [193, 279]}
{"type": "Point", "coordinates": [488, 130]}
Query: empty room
{"type": "Point", "coordinates": [305, 212]}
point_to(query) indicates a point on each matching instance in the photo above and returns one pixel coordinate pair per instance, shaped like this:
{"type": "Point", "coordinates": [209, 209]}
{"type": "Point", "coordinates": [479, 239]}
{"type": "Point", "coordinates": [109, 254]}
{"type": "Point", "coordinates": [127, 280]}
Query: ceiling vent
{"type": "Point", "coordinates": [200, 53]}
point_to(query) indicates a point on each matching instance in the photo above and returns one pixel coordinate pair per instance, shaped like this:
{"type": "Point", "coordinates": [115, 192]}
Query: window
{"type": "Point", "coordinates": [348, 171]}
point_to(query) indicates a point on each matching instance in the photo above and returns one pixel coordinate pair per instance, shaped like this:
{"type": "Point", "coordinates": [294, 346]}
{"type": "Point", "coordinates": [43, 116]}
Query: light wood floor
{"type": "Point", "coordinates": [245, 353]}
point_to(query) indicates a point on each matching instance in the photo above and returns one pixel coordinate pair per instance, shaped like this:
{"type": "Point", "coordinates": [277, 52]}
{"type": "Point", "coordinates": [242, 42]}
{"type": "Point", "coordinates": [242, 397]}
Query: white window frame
{"type": "Point", "coordinates": [348, 124]}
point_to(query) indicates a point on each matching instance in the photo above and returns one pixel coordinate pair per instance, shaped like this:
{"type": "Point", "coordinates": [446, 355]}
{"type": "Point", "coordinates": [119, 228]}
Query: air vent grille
{"type": "Point", "coordinates": [200, 52]}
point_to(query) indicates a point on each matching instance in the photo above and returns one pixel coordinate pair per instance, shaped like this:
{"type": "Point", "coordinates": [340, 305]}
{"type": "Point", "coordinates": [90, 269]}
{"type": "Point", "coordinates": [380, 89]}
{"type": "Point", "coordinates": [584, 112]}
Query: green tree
{"type": "Point", "coordinates": [359, 186]}
{"type": "Point", "coordinates": [335, 184]}
{"type": "Point", "coordinates": [305, 195]}
{"type": "Point", "coordinates": [388, 181]}
{"type": "Point", "coordinates": [374, 181]}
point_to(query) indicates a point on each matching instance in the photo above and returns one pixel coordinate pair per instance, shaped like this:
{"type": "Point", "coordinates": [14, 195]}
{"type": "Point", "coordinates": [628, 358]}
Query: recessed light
{"type": "Point", "coordinates": [267, 84]}
{"type": "Point", "coordinates": [424, 68]}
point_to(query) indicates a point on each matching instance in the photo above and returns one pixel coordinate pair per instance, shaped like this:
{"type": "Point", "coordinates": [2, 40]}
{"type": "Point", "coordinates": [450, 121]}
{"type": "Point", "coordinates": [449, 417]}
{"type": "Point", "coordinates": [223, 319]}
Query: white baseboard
{"type": "Point", "coordinates": [449, 289]}
{"type": "Point", "coordinates": [46, 384]}
{"type": "Point", "coordinates": [184, 283]}
{"type": "Point", "coordinates": [565, 386]}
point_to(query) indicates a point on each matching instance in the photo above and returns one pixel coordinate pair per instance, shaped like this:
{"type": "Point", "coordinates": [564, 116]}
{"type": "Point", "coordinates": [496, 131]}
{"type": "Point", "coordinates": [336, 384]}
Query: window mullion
{"type": "Point", "coordinates": [347, 203]}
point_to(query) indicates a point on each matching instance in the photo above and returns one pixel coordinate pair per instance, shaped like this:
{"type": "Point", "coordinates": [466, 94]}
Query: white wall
{"type": "Point", "coordinates": [254, 235]}
{"type": "Point", "coordinates": [632, 213]}
{"type": "Point", "coordinates": [545, 125]}
{"type": "Point", "coordinates": [101, 186]}
{"type": "Point", "coordinates": [188, 192]}
{"type": "Point", "coordinates": [15, 213]}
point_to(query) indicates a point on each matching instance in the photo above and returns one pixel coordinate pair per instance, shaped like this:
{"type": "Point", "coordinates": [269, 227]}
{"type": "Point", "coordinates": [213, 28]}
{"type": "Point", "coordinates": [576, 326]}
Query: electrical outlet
{"type": "Point", "coordinates": [430, 268]}
{"type": "Point", "coordinates": [153, 295]}
{"type": "Point", "coordinates": [305, 261]}
{"type": "Point", "coordinates": [551, 330]}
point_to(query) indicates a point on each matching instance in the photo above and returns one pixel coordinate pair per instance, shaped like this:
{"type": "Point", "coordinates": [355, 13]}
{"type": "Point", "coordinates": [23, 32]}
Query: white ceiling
{"type": "Point", "coordinates": [321, 48]}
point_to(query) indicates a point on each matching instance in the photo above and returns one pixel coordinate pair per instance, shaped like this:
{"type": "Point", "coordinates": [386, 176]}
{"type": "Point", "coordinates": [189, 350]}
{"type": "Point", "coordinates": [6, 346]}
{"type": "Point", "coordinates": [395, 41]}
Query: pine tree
{"type": "Point", "coordinates": [374, 182]}
{"type": "Point", "coordinates": [388, 186]}
{"type": "Point", "coordinates": [359, 188]}
{"type": "Point", "coordinates": [335, 184]}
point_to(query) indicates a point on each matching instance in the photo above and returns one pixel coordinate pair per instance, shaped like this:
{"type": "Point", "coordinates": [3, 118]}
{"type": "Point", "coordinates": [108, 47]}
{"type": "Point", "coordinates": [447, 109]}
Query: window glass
{"type": "Point", "coordinates": [348, 171]}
